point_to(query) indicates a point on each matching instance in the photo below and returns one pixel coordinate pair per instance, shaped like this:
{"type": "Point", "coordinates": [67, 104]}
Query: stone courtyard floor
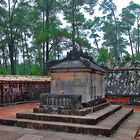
{"type": "Point", "coordinates": [126, 131]}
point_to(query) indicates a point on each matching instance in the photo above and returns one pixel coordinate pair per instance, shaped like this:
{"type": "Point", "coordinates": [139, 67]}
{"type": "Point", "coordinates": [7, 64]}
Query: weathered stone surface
{"type": "Point", "coordinates": [30, 137]}
{"type": "Point", "coordinates": [89, 85]}
{"type": "Point", "coordinates": [16, 91]}
{"type": "Point", "coordinates": [105, 128]}
{"type": "Point", "coordinates": [123, 82]}
{"type": "Point", "coordinates": [61, 101]}
{"type": "Point", "coordinates": [88, 119]}
{"type": "Point", "coordinates": [94, 102]}
{"type": "Point", "coordinates": [80, 112]}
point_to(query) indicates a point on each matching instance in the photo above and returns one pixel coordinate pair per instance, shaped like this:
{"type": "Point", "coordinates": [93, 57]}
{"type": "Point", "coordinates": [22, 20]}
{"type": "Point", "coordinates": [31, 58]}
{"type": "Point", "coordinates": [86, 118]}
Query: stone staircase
{"type": "Point", "coordinates": [101, 119]}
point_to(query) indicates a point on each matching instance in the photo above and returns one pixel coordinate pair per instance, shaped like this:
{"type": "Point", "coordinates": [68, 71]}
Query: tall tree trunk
{"type": "Point", "coordinates": [27, 52]}
{"type": "Point", "coordinates": [73, 23]}
{"type": "Point", "coordinates": [43, 45]}
{"type": "Point", "coordinates": [47, 42]}
{"type": "Point", "coordinates": [15, 56]}
{"type": "Point", "coordinates": [138, 35]}
{"type": "Point", "coordinates": [58, 52]}
{"type": "Point", "coordinates": [47, 56]}
{"type": "Point", "coordinates": [23, 56]}
{"type": "Point", "coordinates": [11, 51]}
{"type": "Point", "coordinates": [130, 40]}
{"type": "Point", "coordinates": [5, 59]}
{"type": "Point", "coordinates": [117, 60]}
{"type": "Point", "coordinates": [11, 36]}
{"type": "Point", "coordinates": [96, 42]}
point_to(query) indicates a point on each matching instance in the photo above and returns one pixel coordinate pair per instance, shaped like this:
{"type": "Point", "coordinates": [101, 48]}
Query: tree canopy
{"type": "Point", "coordinates": [33, 32]}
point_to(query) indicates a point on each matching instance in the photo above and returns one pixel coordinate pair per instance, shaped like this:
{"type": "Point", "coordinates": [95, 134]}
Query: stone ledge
{"type": "Point", "coordinates": [92, 119]}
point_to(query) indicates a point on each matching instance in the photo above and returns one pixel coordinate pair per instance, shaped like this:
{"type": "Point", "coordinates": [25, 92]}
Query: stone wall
{"type": "Point", "coordinates": [87, 84]}
{"type": "Point", "coordinates": [69, 83]}
{"type": "Point", "coordinates": [123, 82]}
{"type": "Point", "coordinates": [98, 85]}
{"type": "Point", "coordinates": [16, 91]}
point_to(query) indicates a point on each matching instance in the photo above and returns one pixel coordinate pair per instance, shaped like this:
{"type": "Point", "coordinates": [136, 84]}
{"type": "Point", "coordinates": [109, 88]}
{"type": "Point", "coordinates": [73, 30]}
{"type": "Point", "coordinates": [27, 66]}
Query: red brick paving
{"type": "Point", "coordinates": [9, 111]}
{"type": "Point", "coordinates": [136, 108]}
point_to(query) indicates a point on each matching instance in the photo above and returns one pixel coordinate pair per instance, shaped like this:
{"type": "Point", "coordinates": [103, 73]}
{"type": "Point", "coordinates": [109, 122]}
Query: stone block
{"type": "Point", "coordinates": [61, 101]}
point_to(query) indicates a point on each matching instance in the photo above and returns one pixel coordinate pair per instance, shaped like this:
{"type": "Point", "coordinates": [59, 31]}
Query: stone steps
{"type": "Point", "coordinates": [106, 127]}
{"type": "Point", "coordinates": [115, 120]}
{"type": "Point", "coordinates": [90, 119]}
{"type": "Point", "coordinates": [97, 107]}
{"type": "Point", "coordinates": [81, 112]}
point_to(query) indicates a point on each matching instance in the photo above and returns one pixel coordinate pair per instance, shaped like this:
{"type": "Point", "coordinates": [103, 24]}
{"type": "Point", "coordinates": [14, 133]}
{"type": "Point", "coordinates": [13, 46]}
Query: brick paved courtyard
{"type": "Point", "coordinates": [9, 111]}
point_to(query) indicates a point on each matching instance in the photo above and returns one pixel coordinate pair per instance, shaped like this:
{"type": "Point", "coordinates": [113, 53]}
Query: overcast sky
{"type": "Point", "coordinates": [119, 3]}
{"type": "Point", "coordinates": [123, 3]}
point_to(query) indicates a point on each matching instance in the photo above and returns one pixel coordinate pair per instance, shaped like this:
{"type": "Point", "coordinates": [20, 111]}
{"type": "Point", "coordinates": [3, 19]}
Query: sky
{"type": "Point", "coordinates": [123, 3]}
{"type": "Point", "coordinates": [119, 4]}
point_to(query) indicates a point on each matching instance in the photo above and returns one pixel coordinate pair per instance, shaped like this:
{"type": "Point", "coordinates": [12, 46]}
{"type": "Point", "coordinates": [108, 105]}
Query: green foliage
{"type": "Point", "coordinates": [137, 56]}
{"type": "Point", "coordinates": [33, 32]}
{"type": "Point", "coordinates": [34, 70]}
{"type": "Point", "coordinates": [103, 55]}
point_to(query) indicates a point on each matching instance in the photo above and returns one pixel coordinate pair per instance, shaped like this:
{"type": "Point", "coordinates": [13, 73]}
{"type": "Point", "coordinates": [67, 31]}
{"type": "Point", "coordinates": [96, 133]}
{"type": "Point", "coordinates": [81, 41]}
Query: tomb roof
{"type": "Point", "coordinates": [75, 60]}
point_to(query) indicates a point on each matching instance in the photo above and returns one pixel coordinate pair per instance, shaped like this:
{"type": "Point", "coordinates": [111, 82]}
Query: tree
{"type": "Point", "coordinates": [130, 15]}
{"type": "Point", "coordinates": [13, 19]}
{"type": "Point", "coordinates": [75, 19]}
{"type": "Point", "coordinates": [94, 26]}
{"type": "Point", "coordinates": [135, 10]}
{"type": "Point", "coordinates": [108, 7]}
{"type": "Point", "coordinates": [46, 22]}
{"type": "Point", "coordinates": [128, 20]}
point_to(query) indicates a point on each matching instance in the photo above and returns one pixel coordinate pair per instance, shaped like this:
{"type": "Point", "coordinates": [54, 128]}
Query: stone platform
{"type": "Point", "coordinates": [103, 121]}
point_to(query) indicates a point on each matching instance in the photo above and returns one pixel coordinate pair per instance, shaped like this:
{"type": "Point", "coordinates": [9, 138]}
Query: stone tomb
{"type": "Point", "coordinates": [75, 79]}
{"type": "Point", "coordinates": [77, 74]}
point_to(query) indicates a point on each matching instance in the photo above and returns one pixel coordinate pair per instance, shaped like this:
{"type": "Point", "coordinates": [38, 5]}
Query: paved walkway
{"type": "Point", "coordinates": [127, 130]}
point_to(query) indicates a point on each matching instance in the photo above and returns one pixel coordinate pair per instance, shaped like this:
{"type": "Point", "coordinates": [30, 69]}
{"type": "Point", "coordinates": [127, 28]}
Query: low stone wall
{"type": "Point", "coordinates": [13, 90]}
{"type": "Point", "coordinates": [123, 82]}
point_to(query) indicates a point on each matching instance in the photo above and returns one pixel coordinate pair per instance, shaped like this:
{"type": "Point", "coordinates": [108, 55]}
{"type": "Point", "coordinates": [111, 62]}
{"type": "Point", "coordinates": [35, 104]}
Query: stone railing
{"type": "Point", "coordinates": [63, 101]}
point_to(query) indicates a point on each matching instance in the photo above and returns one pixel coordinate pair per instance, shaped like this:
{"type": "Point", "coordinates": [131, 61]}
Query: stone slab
{"type": "Point", "coordinates": [30, 137]}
